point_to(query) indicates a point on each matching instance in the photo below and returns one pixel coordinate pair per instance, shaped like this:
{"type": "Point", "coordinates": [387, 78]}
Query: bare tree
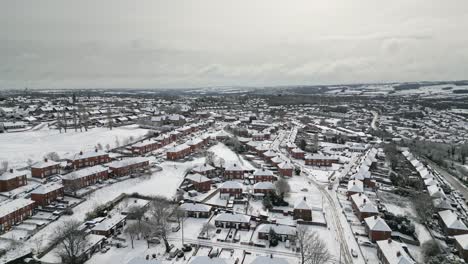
{"type": "Point", "coordinates": [52, 156]}
{"type": "Point", "coordinates": [64, 118]}
{"type": "Point", "coordinates": [137, 213]}
{"type": "Point", "coordinates": [282, 187]}
{"type": "Point", "coordinates": [110, 122]}
{"type": "Point", "coordinates": [108, 147]}
{"type": "Point", "coordinates": [71, 242]}
{"type": "Point", "coordinates": [59, 123]}
{"type": "Point", "coordinates": [99, 146]}
{"type": "Point", "coordinates": [160, 210]}
{"type": "Point", "coordinates": [117, 142]}
{"type": "Point", "coordinates": [132, 230]}
{"type": "Point", "coordinates": [312, 248]}
{"type": "Point", "coordinates": [207, 227]}
{"type": "Point", "coordinates": [84, 118]}
{"type": "Point", "coordinates": [4, 166]}
{"type": "Point", "coordinates": [209, 158]}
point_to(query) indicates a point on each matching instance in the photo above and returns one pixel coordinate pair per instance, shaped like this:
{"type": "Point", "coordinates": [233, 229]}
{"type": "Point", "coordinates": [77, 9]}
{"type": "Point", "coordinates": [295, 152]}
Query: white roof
{"type": "Point", "coordinates": [435, 191]}
{"type": "Point", "coordinates": [88, 154]}
{"type": "Point", "coordinates": [232, 217]}
{"type": "Point", "coordinates": [197, 178]}
{"type": "Point", "coordinates": [178, 148]}
{"type": "Point", "coordinates": [10, 206]}
{"type": "Point", "coordinates": [203, 168]}
{"type": "Point", "coordinates": [285, 165]}
{"type": "Point", "coordinates": [451, 220]}
{"type": "Point", "coordinates": [44, 164]}
{"type": "Point", "coordinates": [462, 240]}
{"type": "Point", "coordinates": [355, 186]}
{"type": "Point", "coordinates": [143, 260]}
{"type": "Point", "coordinates": [109, 222]}
{"type": "Point", "coordinates": [127, 162]}
{"type": "Point", "coordinates": [84, 172]}
{"type": "Point", "coordinates": [394, 252]}
{"type": "Point", "coordinates": [231, 185]}
{"type": "Point", "coordinates": [47, 188]}
{"type": "Point", "coordinates": [263, 172]}
{"type": "Point", "coordinates": [208, 260]}
{"type": "Point", "coordinates": [279, 229]}
{"type": "Point", "coordinates": [195, 207]}
{"type": "Point", "coordinates": [375, 223]}
{"type": "Point", "coordinates": [302, 204]}
{"type": "Point", "coordinates": [363, 203]}
{"type": "Point", "coordinates": [234, 167]}
{"type": "Point", "coordinates": [264, 186]}
{"type": "Point", "coordinates": [269, 260]}
{"type": "Point", "coordinates": [11, 175]}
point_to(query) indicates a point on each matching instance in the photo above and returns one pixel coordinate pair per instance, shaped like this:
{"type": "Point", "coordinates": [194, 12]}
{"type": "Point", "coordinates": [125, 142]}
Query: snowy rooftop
{"type": "Point", "coordinates": [109, 222]}
{"type": "Point", "coordinates": [264, 186]}
{"type": "Point", "coordinates": [84, 172]}
{"type": "Point", "coordinates": [375, 223]}
{"type": "Point", "coordinates": [44, 164]}
{"type": "Point", "coordinates": [10, 206]}
{"type": "Point", "coordinates": [394, 252]}
{"type": "Point", "coordinates": [302, 204]}
{"type": "Point", "coordinates": [231, 217]}
{"type": "Point", "coordinates": [203, 168]}
{"type": "Point", "coordinates": [462, 240]}
{"type": "Point", "coordinates": [279, 229]}
{"type": "Point", "coordinates": [11, 174]}
{"type": "Point", "coordinates": [452, 220]}
{"type": "Point", "coordinates": [234, 167]}
{"type": "Point", "coordinates": [263, 172]}
{"type": "Point", "coordinates": [363, 203]}
{"type": "Point", "coordinates": [231, 185]}
{"type": "Point", "coordinates": [355, 186]}
{"type": "Point", "coordinates": [47, 188]}
{"type": "Point", "coordinates": [88, 154]}
{"type": "Point", "coordinates": [197, 178]}
{"type": "Point", "coordinates": [127, 162]}
{"type": "Point", "coordinates": [208, 260]}
{"type": "Point", "coordinates": [195, 207]}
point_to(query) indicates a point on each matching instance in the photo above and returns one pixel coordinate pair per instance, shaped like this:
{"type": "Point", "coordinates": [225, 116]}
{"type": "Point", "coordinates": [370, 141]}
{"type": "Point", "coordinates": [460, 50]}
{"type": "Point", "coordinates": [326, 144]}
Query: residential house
{"type": "Point", "coordinates": [200, 182]}
{"type": "Point", "coordinates": [284, 232]}
{"type": "Point", "coordinates": [263, 174]}
{"type": "Point", "coordinates": [47, 193]}
{"type": "Point", "coordinates": [362, 206]}
{"type": "Point", "coordinates": [12, 179]}
{"type": "Point", "coordinates": [86, 159]}
{"type": "Point", "coordinates": [234, 171]}
{"type": "Point", "coordinates": [45, 168]}
{"type": "Point", "coordinates": [128, 166]}
{"type": "Point", "coordinates": [285, 169]}
{"type": "Point", "coordinates": [302, 210]}
{"type": "Point", "coordinates": [197, 210]}
{"type": "Point", "coordinates": [15, 211]}
{"type": "Point", "coordinates": [452, 224]}
{"type": "Point", "coordinates": [85, 177]}
{"type": "Point", "coordinates": [232, 220]}
{"type": "Point", "coordinates": [377, 228]}
{"type": "Point", "coordinates": [392, 252]}
{"type": "Point", "coordinates": [230, 188]}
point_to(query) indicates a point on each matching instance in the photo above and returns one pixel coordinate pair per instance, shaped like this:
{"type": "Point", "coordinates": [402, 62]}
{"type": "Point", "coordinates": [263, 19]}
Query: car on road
{"type": "Point", "coordinates": [367, 244]}
{"type": "Point", "coordinates": [354, 253]}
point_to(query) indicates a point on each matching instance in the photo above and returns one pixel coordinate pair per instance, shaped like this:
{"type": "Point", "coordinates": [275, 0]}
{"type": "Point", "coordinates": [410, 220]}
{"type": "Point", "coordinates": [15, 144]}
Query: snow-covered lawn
{"type": "Point", "coordinates": [17, 148]}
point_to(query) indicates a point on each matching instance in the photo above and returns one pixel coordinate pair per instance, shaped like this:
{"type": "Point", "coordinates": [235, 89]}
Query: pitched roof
{"type": "Point", "coordinates": [451, 220]}
{"type": "Point", "coordinates": [375, 223]}
{"type": "Point", "coordinates": [231, 185]}
{"type": "Point", "coordinates": [232, 217]}
{"type": "Point", "coordinates": [197, 178]}
{"type": "Point", "coordinates": [394, 252]}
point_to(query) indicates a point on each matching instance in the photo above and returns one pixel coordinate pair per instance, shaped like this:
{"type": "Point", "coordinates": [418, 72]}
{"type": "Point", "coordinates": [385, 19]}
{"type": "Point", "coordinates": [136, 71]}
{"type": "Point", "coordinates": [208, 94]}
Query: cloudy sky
{"type": "Point", "coordinates": [175, 43]}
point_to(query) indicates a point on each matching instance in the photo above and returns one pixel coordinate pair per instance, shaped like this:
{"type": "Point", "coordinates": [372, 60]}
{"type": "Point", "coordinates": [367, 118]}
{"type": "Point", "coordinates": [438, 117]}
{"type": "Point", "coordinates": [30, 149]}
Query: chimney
{"type": "Point", "coordinates": [81, 152]}
{"type": "Point", "coordinates": [364, 200]}
{"type": "Point", "coordinates": [271, 256]}
{"type": "Point", "coordinates": [95, 150]}
{"type": "Point", "coordinates": [354, 183]}
{"type": "Point", "coordinates": [45, 160]}
{"type": "Point", "coordinates": [11, 170]}
{"type": "Point", "coordinates": [398, 254]}
{"type": "Point", "coordinates": [305, 199]}
{"type": "Point", "coordinates": [389, 240]}
{"type": "Point", "coordinates": [375, 217]}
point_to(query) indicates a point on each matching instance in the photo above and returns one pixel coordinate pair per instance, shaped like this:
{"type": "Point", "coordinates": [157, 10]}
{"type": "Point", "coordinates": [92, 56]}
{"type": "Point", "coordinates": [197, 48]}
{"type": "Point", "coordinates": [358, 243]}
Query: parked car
{"type": "Point", "coordinates": [354, 253]}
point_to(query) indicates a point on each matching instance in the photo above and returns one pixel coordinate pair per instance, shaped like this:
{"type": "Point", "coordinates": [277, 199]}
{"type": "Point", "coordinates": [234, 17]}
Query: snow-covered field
{"type": "Point", "coordinates": [17, 148]}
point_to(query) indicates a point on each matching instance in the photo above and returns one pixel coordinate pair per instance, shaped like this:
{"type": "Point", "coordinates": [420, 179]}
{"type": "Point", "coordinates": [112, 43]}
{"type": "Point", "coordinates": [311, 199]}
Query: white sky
{"type": "Point", "coordinates": [175, 43]}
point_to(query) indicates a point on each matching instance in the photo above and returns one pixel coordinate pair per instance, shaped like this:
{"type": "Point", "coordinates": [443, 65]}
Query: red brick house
{"type": "Point", "coordinates": [264, 175]}
{"type": "Point", "coordinates": [231, 188]}
{"type": "Point", "coordinates": [234, 171]}
{"type": "Point", "coordinates": [86, 159]}
{"type": "Point", "coordinates": [275, 161]}
{"type": "Point", "coordinates": [302, 210]}
{"type": "Point", "coordinates": [320, 160]}
{"type": "Point", "coordinates": [377, 228]}
{"type": "Point", "coordinates": [362, 206]}
{"type": "Point", "coordinates": [232, 220]}
{"type": "Point", "coordinates": [285, 169]}
{"type": "Point", "coordinates": [45, 168]}
{"type": "Point", "coordinates": [297, 153]}
{"type": "Point", "coordinates": [263, 187]}
{"type": "Point", "coordinates": [205, 169]}
{"type": "Point", "coordinates": [461, 244]}
{"type": "Point", "coordinates": [195, 144]}
{"type": "Point", "coordinates": [178, 152]}
{"type": "Point", "coordinates": [12, 179]}
{"type": "Point", "coordinates": [451, 223]}
{"type": "Point", "coordinates": [145, 146]}
{"type": "Point", "coordinates": [268, 155]}
{"type": "Point", "coordinates": [47, 193]}
{"type": "Point", "coordinates": [125, 167]}
{"type": "Point", "coordinates": [392, 252]}
{"type": "Point", "coordinates": [196, 210]}
{"type": "Point", "coordinates": [15, 211]}
{"type": "Point", "coordinates": [284, 232]}
{"type": "Point", "coordinates": [85, 177]}
{"type": "Point", "coordinates": [200, 182]}
{"type": "Point", "coordinates": [354, 186]}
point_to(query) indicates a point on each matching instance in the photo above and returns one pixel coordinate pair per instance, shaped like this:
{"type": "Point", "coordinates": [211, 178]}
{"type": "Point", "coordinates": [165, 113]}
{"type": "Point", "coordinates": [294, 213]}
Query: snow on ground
{"type": "Point", "coordinates": [17, 148]}
{"type": "Point", "coordinates": [163, 183]}
{"type": "Point", "coordinates": [229, 156]}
